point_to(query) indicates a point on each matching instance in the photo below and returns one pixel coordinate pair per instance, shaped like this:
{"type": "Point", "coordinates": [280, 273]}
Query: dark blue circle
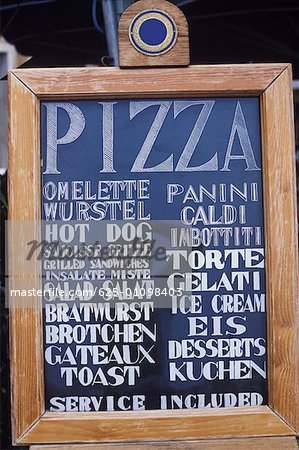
{"type": "Point", "coordinates": [153, 32]}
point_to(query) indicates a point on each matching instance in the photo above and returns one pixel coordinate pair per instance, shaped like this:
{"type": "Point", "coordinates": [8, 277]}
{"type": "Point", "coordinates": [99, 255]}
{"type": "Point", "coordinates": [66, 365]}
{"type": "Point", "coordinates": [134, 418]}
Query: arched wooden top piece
{"type": "Point", "coordinates": [153, 33]}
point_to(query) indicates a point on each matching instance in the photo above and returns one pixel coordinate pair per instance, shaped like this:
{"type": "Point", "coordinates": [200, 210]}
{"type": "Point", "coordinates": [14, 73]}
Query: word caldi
{"type": "Point", "coordinates": [160, 118]}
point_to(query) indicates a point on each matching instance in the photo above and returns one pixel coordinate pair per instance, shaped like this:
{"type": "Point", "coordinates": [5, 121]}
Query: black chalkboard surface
{"type": "Point", "coordinates": [191, 168]}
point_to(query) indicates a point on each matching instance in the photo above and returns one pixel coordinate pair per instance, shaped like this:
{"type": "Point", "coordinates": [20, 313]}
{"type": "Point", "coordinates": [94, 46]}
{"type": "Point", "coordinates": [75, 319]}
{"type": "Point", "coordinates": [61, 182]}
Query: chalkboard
{"type": "Point", "coordinates": [168, 195]}
{"type": "Point", "coordinates": [187, 174]}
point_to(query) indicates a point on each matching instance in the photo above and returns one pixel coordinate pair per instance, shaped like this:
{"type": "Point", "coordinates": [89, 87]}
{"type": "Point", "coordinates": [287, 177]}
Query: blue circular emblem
{"type": "Point", "coordinates": [153, 32]}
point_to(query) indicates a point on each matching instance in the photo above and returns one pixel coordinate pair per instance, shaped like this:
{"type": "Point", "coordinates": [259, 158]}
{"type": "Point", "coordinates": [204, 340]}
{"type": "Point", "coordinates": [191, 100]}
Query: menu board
{"type": "Point", "coordinates": [153, 262]}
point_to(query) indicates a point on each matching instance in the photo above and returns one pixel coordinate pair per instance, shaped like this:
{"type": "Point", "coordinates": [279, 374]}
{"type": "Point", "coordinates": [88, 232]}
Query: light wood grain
{"type": "Point", "coordinates": [179, 55]}
{"type": "Point", "coordinates": [278, 443]}
{"type": "Point", "coordinates": [112, 82]}
{"type": "Point", "coordinates": [27, 383]}
{"type": "Point", "coordinates": [281, 247]}
{"type": "Point", "coordinates": [156, 425]}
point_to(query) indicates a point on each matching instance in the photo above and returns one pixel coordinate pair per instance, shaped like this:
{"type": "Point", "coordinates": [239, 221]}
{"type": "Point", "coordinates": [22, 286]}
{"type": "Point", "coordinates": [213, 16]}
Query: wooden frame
{"type": "Point", "coordinates": [272, 83]}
